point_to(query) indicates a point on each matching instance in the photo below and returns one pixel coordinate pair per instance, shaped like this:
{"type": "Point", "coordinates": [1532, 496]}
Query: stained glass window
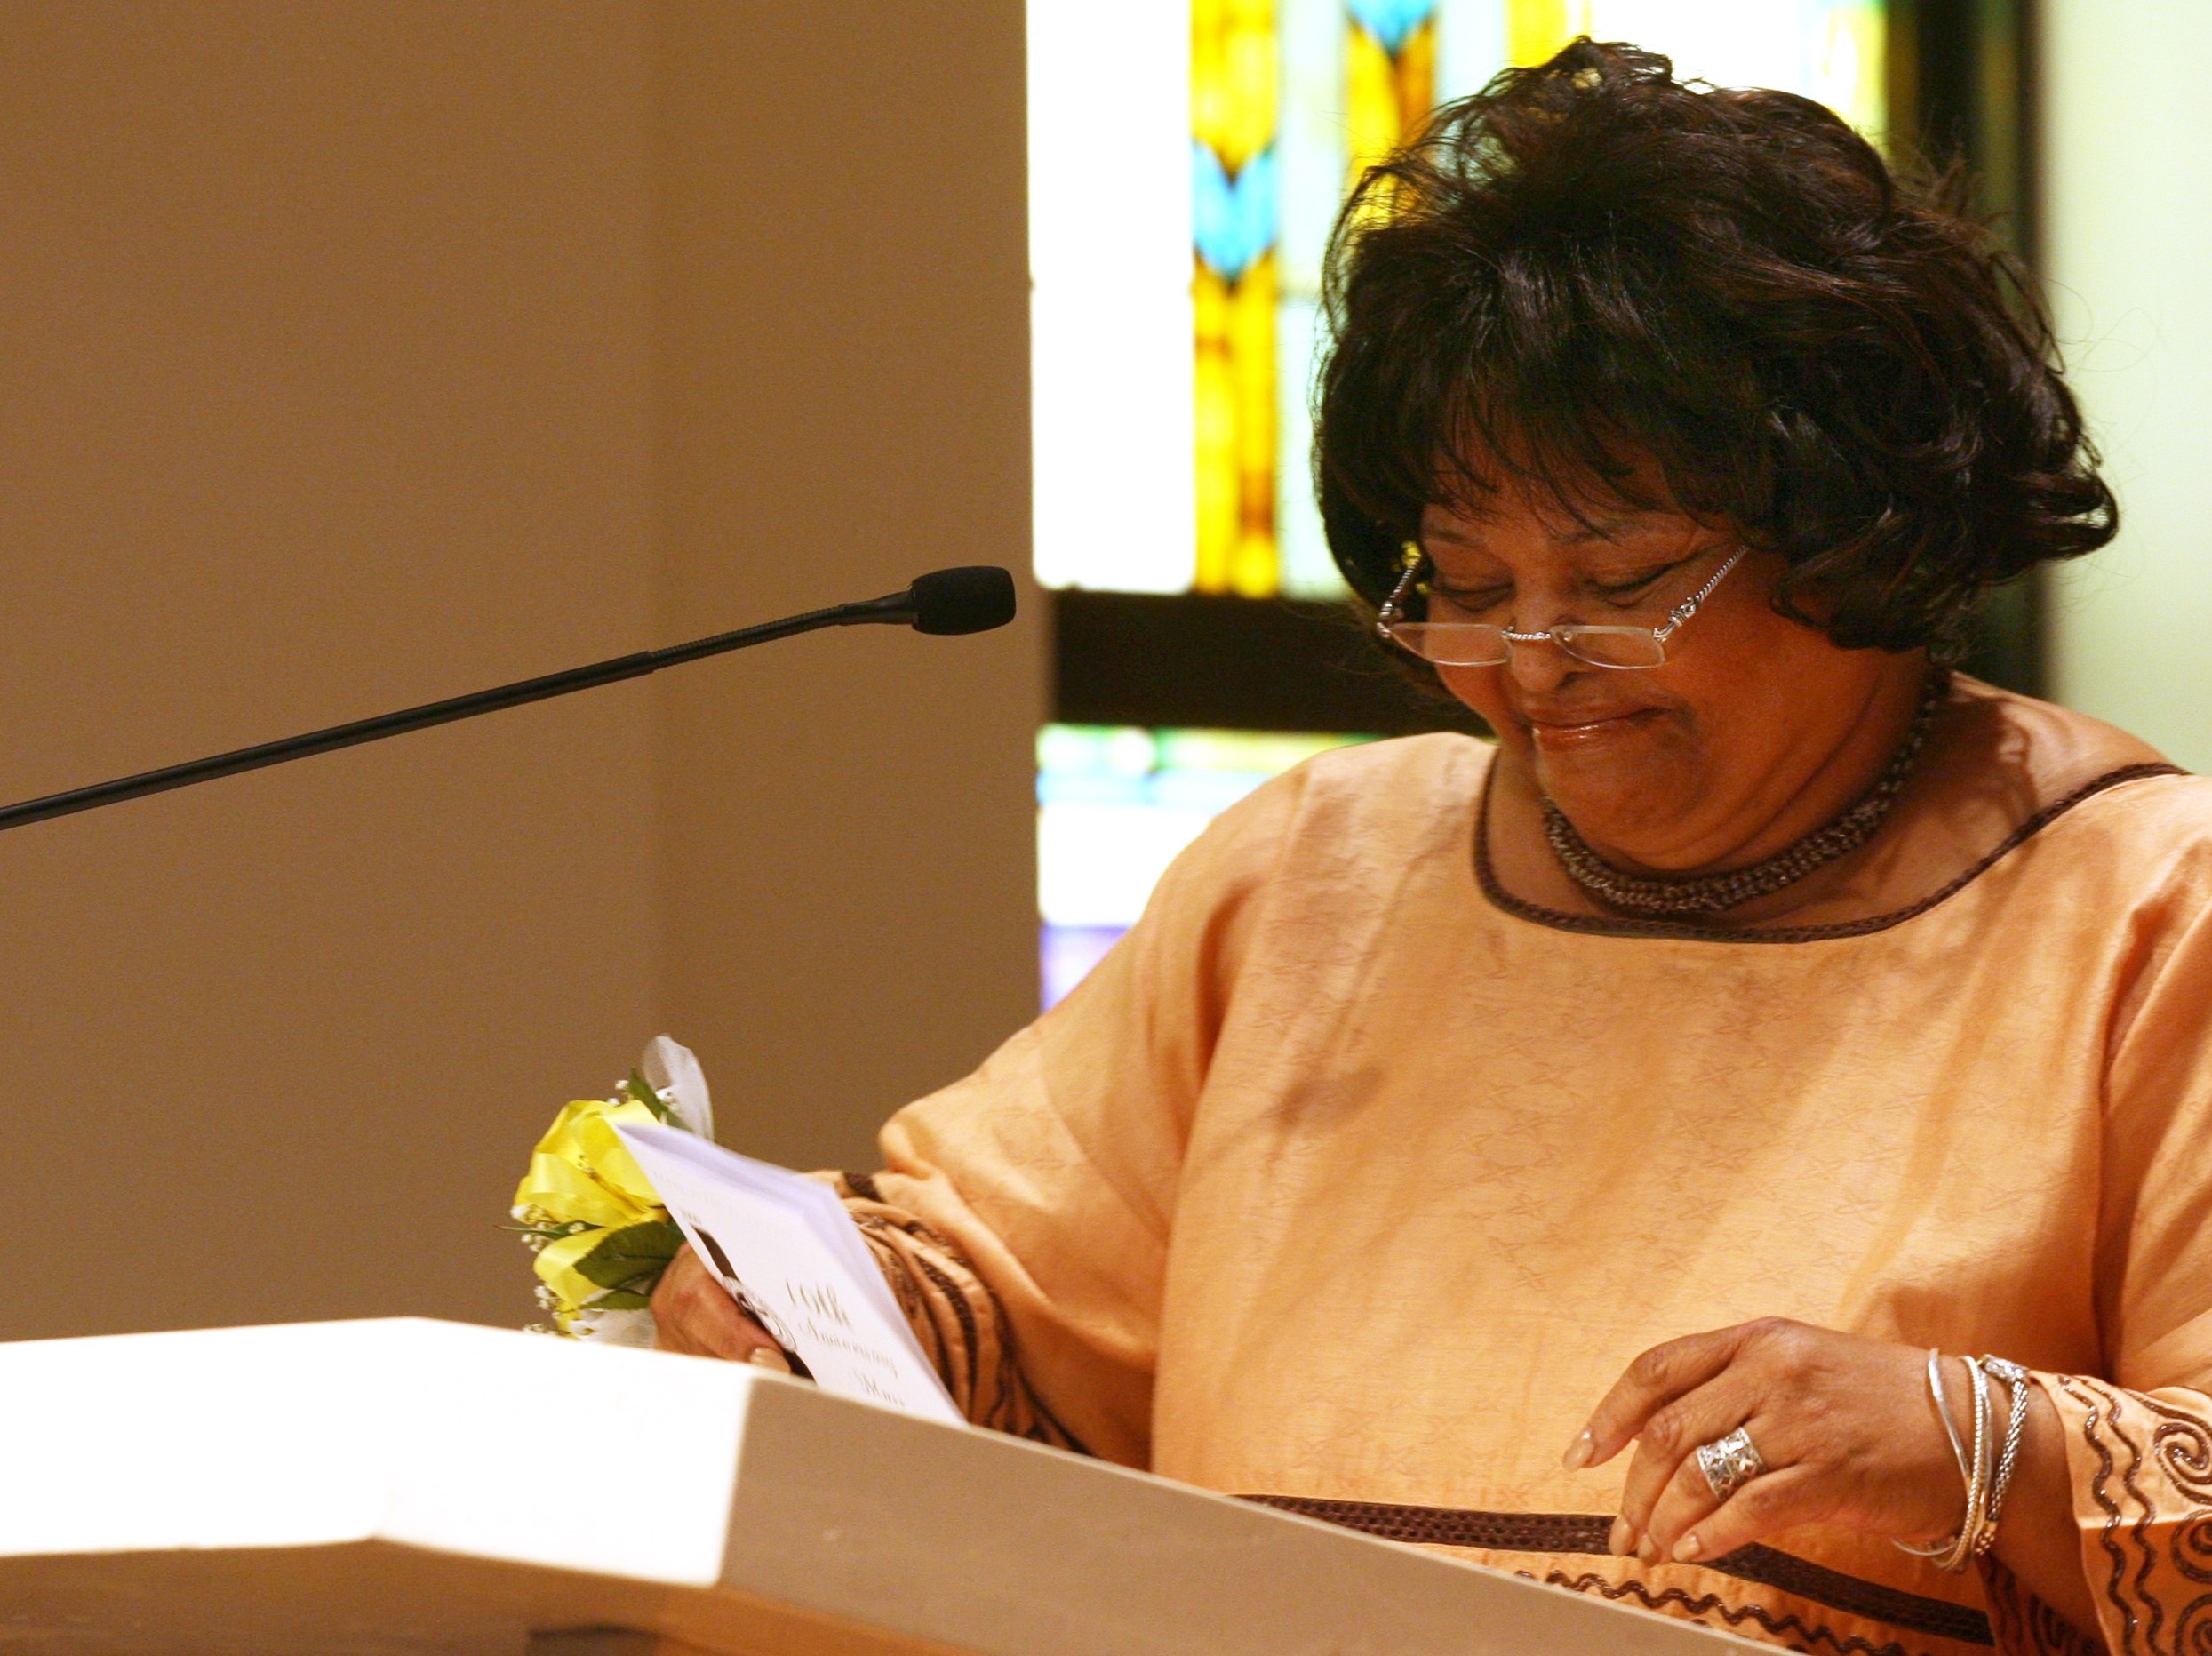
{"type": "Point", "coordinates": [1115, 805]}
{"type": "Point", "coordinates": [1186, 160]}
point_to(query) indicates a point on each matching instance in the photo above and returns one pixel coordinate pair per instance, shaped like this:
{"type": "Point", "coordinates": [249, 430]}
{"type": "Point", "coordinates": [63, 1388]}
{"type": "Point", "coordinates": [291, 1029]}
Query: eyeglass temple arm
{"type": "Point", "coordinates": [1391, 611]}
{"type": "Point", "coordinates": [1687, 607]}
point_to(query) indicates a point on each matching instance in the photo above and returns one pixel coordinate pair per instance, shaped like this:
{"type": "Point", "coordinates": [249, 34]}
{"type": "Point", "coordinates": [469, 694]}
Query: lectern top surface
{"type": "Point", "coordinates": [405, 1486]}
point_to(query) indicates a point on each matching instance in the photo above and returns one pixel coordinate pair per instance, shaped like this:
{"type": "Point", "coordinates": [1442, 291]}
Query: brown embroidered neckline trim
{"type": "Point", "coordinates": [1610, 925]}
{"type": "Point", "coordinates": [1585, 1532]}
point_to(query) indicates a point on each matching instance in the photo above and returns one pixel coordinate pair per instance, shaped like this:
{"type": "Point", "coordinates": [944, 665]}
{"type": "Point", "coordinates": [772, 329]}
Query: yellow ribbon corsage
{"type": "Point", "coordinates": [587, 1210]}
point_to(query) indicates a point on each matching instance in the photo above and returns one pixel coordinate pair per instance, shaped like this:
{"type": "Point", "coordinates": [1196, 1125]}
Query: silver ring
{"type": "Point", "coordinates": [1728, 1463]}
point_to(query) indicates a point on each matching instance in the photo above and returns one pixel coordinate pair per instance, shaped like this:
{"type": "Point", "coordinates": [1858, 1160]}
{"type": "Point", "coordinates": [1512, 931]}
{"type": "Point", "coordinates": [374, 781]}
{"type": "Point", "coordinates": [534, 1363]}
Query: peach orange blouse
{"type": "Point", "coordinates": [1348, 1183]}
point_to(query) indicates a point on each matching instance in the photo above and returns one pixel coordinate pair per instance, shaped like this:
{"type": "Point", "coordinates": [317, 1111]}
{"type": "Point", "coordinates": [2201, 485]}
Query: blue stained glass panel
{"type": "Point", "coordinates": [1390, 21]}
{"type": "Point", "coordinates": [1232, 219]}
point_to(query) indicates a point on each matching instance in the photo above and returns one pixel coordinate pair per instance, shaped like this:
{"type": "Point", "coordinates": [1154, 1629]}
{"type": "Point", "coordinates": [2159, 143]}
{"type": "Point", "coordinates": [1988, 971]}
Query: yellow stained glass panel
{"type": "Point", "coordinates": [1234, 120]}
{"type": "Point", "coordinates": [1388, 94]}
{"type": "Point", "coordinates": [1536, 28]}
{"type": "Point", "coordinates": [1234, 76]}
{"type": "Point", "coordinates": [1235, 389]}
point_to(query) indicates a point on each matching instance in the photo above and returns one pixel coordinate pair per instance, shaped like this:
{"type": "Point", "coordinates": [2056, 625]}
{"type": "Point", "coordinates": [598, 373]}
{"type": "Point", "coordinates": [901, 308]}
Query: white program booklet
{"type": "Point", "coordinates": [787, 1251]}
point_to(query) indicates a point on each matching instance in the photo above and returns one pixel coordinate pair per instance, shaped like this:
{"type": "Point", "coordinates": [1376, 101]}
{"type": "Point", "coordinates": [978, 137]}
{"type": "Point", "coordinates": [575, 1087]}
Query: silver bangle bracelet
{"type": "Point", "coordinates": [1984, 1473]}
{"type": "Point", "coordinates": [2016, 1380]}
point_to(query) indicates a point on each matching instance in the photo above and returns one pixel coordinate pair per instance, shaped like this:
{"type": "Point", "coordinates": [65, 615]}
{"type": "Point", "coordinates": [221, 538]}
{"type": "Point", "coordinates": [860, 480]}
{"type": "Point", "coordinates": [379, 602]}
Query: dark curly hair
{"type": "Point", "coordinates": [1589, 258]}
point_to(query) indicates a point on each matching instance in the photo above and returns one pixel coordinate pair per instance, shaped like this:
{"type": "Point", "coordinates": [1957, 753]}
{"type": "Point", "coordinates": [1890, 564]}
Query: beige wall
{"type": "Point", "coordinates": [354, 355]}
{"type": "Point", "coordinates": [2127, 166]}
{"type": "Point", "coordinates": [845, 395]}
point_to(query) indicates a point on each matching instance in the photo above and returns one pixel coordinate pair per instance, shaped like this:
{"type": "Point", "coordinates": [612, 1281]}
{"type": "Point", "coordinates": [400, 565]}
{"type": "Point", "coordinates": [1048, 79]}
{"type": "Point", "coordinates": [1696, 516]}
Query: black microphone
{"type": "Point", "coordinates": [971, 599]}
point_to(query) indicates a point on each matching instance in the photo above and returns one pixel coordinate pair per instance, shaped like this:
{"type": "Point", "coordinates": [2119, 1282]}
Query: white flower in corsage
{"type": "Point", "coordinates": [587, 1210]}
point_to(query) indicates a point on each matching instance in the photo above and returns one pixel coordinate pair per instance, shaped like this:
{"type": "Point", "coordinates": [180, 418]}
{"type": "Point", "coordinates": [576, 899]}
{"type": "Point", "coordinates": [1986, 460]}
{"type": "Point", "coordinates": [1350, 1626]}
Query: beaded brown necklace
{"type": "Point", "coordinates": [1712, 893]}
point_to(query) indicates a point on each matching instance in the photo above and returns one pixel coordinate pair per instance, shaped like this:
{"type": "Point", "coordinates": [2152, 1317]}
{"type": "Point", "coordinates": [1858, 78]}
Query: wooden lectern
{"type": "Point", "coordinates": [381, 1488]}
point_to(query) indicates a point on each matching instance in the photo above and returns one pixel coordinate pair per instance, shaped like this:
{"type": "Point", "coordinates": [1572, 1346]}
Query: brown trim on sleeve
{"type": "Point", "coordinates": [1623, 925]}
{"type": "Point", "coordinates": [1585, 1532]}
{"type": "Point", "coordinates": [2152, 1488]}
{"type": "Point", "coordinates": [2099, 1491]}
{"type": "Point", "coordinates": [2025, 1625]}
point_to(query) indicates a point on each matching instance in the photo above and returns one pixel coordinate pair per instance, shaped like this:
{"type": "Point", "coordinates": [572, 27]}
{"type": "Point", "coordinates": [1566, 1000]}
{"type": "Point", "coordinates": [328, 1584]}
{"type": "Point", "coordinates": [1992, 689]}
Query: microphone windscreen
{"type": "Point", "coordinates": [971, 599]}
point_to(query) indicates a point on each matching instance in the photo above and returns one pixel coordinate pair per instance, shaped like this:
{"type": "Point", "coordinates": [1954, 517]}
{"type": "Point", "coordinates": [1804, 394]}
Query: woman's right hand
{"type": "Point", "coordinates": [694, 1314]}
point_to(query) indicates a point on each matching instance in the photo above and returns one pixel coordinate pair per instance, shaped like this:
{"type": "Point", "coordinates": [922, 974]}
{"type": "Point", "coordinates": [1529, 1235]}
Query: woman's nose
{"type": "Point", "coordinates": [1537, 665]}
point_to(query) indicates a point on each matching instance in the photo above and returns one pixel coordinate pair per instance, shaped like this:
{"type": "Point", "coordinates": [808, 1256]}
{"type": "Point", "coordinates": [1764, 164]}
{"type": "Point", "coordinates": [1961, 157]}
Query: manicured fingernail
{"type": "Point", "coordinates": [1577, 1455]}
{"type": "Point", "coordinates": [1688, 1547]}
{"type": "Point", "coordinates": [1620, 1540]}
{"type": "Point", "coordinates": [768, 1357]}
{"type": "Point", "coordinates": [1646, 1549]}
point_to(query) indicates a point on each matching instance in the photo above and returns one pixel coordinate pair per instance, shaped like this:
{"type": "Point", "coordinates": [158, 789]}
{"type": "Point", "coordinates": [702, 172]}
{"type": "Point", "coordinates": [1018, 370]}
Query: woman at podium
{"type": "Point", "coordinates": [1738, 1144]}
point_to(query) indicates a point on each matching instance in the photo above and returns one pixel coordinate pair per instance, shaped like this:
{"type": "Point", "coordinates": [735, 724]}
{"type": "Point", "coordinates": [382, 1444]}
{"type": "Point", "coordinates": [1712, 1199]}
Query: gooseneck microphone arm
{"type": "Point", "coordinates": [973, 599]}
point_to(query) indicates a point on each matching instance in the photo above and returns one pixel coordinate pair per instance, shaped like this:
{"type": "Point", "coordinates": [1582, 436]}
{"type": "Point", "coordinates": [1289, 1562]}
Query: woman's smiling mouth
{"type": "Point", "coordinates": [1567, 732]}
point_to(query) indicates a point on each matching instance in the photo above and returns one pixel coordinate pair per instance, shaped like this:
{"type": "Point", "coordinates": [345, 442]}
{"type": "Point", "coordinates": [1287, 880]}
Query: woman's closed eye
{"type": "Point", "coordinates": [1473, 600]}
{"type": "Point", "coordinates": [1634, 589]}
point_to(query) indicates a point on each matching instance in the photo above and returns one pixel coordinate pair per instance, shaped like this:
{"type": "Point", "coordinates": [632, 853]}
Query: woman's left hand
{"type": "Point", "coordinates": [1844, 1424]}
